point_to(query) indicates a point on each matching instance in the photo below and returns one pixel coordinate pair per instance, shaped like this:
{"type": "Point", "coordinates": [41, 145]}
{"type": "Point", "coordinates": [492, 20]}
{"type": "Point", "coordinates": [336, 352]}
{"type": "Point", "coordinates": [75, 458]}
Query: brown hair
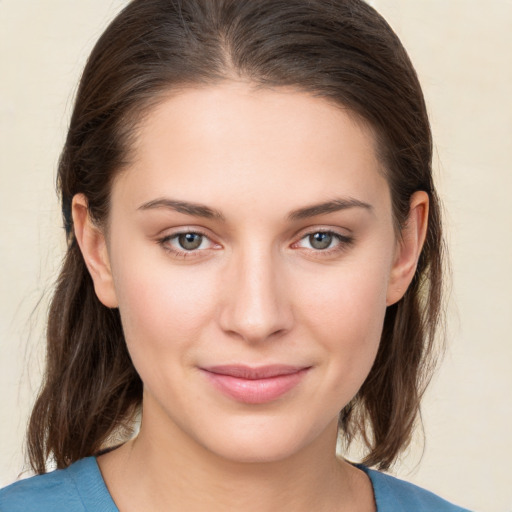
{"type": "Point", "coordinates": [342, 50]}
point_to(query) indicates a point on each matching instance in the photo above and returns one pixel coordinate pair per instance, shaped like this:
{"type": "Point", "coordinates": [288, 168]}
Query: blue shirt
{"type": "Point", "coordinates": [81, 488]}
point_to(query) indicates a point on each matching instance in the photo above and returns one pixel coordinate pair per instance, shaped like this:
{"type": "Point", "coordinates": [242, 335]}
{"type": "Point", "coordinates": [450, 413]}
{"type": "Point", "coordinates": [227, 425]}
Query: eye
{"type": "Point", "coordinates": [190, 241]}
{"type": "Point", "coordinates": [320, 240]}
{"type": "Point", "coordinates": [326, 241]}
{"type": "Point", "coordinates": [187, 243]}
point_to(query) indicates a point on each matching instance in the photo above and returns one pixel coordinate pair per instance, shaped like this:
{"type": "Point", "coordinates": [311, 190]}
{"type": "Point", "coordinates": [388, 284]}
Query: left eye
{"type": "Point", "coordinates": [321, 240]}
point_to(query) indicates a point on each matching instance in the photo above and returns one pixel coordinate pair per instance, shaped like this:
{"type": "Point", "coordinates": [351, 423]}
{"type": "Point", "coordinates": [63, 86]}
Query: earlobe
{"type": "Point", "coordinates": [409, 248]}
{"type": "Point", "coordinates": [93, 246]}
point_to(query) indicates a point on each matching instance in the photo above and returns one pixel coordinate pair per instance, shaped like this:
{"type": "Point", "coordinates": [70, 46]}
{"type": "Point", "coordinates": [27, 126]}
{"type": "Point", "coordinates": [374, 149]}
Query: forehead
{"type": "Point", "coordinates": [209, 143]}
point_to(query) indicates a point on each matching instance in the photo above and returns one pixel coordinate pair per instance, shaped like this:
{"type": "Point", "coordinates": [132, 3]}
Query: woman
{"type": "Point", "coordinates": [253, 265]}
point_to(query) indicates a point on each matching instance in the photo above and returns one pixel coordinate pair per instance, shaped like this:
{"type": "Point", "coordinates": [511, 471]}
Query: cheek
{"type": "Point", "coordinates": [346, 301]}
{"type": "Point", "coordinates": [344, 312]}
{"type": "Point", "coordinates": [163, 308]}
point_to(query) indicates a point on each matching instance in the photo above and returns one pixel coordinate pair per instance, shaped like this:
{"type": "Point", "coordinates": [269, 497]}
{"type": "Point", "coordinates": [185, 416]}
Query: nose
{"type": "Point", "coordinates": [256, 305]}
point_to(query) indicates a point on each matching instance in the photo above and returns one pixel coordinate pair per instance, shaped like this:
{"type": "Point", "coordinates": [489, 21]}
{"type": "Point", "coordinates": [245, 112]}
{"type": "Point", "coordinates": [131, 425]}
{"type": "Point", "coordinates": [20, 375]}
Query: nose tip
{"type": "Point", "coordinates": [253, 330]}
{"type": "Point", "coordinates": [256, 306]}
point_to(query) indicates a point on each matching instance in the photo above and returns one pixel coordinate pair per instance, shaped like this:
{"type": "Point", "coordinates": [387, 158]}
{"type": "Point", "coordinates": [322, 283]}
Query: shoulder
{"type": "Point", "coordinates": [66, 490]}
{"type": "Point", "coordinates": [395, 495]}
{"type": "Point", "coordinates": [43, 492]}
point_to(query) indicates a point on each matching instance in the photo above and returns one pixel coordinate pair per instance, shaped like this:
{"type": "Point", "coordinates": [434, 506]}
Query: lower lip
{"type": "Point", "coordinates": [256, 391]}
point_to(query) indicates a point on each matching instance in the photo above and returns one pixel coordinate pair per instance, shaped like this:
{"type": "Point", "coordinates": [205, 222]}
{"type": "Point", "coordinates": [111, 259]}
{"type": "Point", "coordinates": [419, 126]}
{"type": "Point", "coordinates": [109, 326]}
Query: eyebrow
{"type": "Point", "coordinates": [199, 210]}
{"type": "Point", "coordinates": [328, 207]}
{"type": "Point", "coordinates": [195, 209]}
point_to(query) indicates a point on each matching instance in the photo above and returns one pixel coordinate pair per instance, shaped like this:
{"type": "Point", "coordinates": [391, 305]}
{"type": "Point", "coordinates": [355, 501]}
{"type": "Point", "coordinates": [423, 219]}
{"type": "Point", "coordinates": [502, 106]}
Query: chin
{"type": "Point", "coordinates": [257, 452]}
{"type": "Point", "coordinates": [268, 443]}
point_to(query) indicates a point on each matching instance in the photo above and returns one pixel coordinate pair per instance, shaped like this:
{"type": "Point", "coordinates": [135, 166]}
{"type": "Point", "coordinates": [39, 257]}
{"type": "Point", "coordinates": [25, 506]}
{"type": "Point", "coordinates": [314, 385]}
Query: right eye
{"type": "Point", "coordinates": [186, 243]}
{"type": "Point", "coordinates": [189, 241]}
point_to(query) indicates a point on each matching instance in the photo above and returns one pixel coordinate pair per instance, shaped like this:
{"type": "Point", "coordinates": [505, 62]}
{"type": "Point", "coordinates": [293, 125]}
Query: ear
{"type": "Point", "coordinates": [408, 248]}
{"type": "Point", "coordinates": [93, 245]}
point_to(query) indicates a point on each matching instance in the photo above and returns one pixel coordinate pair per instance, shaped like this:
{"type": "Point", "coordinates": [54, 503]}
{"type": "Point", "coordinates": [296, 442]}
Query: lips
{"type": "Point", "coordinates": [255, 385]}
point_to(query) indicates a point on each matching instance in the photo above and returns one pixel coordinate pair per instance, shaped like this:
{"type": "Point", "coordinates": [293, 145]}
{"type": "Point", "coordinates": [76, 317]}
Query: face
{"type": "Point", "coordinates": [252, 251]}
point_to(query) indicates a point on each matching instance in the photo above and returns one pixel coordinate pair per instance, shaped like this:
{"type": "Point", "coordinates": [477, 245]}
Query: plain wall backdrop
{"type": "Point", "coordinates": [462, 50]}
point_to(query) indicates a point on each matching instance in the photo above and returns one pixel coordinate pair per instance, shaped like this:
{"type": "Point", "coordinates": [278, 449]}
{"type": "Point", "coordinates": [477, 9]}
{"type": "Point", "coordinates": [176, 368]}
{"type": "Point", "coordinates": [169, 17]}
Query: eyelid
{"type": "Point", "coordinates": [343, 233]}
{"type": "Point", "coordinates": [344, 240]}
{"type": "Point", "coordinates": [164, 239]}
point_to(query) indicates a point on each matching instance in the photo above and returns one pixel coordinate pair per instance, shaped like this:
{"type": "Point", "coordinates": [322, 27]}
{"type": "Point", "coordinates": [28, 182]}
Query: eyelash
{"type": "Point", "coordinates": [343, 243]}
{"type": "Point", "coordinates": [164, 243]}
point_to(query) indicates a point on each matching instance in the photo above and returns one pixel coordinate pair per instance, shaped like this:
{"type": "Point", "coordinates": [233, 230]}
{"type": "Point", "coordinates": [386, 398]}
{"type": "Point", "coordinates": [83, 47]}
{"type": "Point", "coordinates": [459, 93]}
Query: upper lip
{"type": "Point", "coordinates": [255, 372]}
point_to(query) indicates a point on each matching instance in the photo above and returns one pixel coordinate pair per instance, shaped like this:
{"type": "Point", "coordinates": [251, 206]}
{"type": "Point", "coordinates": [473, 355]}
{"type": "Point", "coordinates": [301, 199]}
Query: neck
{"type": "Point", "coordinates": [162, 470]}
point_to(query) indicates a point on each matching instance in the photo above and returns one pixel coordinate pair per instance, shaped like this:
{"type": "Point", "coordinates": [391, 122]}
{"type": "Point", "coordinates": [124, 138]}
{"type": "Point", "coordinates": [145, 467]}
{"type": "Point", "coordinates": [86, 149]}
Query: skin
{"type": "Point", "coordinates": [255, 292]}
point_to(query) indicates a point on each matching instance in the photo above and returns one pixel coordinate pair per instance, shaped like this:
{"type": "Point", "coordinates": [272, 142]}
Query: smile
{"type": "Point", "coordinates": [255, 385]}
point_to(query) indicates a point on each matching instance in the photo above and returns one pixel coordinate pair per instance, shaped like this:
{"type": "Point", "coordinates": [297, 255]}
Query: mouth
{"type": "Point", "coordinates": [255, 385]}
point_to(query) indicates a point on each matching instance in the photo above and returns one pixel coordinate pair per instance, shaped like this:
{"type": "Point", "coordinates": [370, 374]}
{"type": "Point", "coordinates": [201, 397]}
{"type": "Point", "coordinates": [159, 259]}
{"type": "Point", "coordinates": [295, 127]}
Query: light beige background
{"type": "Point", "coordinates": [462, 50]}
